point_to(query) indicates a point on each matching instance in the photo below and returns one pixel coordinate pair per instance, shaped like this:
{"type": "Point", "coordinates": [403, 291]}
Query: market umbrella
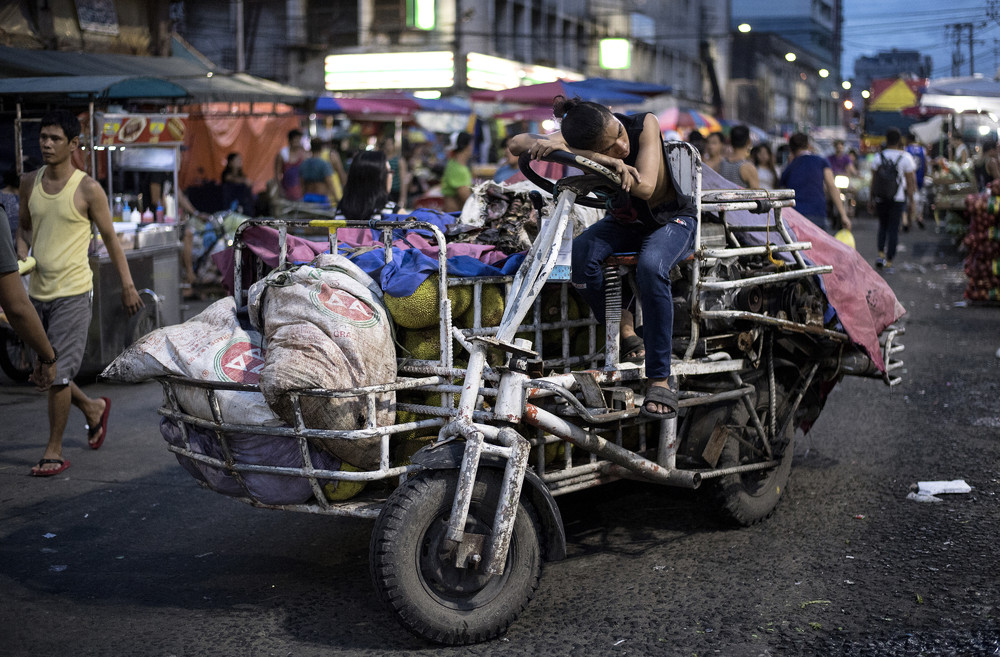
{"type": "Point", "coordinates": [677, 118]}
{"type": "Point", "coordinates": [365, 108]}
{"type": "Point", "coordinates": [412, 103]}
{"type": "Point", "coordinates": [526, 114]}
{"type": "Point", "coordinates": [542, 94]}
{"type": "Point", "coordinates": [628, 86]}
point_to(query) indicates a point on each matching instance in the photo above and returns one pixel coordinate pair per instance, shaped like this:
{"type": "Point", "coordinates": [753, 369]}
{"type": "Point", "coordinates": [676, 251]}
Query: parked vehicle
{"type": "Point", "coordinates": [464, 526]}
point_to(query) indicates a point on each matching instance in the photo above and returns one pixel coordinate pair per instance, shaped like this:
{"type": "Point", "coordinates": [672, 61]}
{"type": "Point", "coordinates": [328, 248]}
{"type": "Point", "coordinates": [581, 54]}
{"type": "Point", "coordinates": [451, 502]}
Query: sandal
{"type": "Point", "coordinates": [660, 395]}
{"type": "Point", "coordinates": [633, 350]}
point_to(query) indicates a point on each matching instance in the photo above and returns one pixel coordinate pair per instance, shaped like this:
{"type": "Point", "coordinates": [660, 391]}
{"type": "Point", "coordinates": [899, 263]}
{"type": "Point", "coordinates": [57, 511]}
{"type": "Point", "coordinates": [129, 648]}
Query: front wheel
{"type": "Point", "coordinates": [413, 562]}
{"type": "Point", "coordinates": [749, 497]}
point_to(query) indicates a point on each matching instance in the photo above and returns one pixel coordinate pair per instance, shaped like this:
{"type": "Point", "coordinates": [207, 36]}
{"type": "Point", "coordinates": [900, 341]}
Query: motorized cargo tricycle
{"type": "Point", "coordinates": [539, 405]}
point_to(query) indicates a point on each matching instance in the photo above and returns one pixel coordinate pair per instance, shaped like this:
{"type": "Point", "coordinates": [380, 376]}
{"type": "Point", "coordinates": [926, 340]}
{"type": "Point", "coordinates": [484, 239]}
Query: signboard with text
{"type": "Point", "coordinates": [141, 129]}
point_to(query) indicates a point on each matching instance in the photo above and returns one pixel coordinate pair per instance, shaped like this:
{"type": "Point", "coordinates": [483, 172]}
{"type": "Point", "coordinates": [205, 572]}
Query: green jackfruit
{"type": "Point", "coordinates": [422, 344]}
{"type": "Point", "coordinates": [492, 304]}
{"type": "Point", "coordinates": [421, 309]}
{"type": "Point", "coordinates": [338, 491]}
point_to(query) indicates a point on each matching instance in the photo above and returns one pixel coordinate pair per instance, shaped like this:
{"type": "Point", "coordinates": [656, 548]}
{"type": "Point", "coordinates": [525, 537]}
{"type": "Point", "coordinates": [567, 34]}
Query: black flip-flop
{"type": "Point", "coordinates": [63, 464]}
{"type": "Point", "coordinates": [660, 395]}
{"type": "Point", "coordinates": [633, 344]}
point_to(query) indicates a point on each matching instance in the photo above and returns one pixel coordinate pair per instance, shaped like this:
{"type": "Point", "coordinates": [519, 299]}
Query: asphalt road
{"type": "Point", "coordinates": [124, 554]}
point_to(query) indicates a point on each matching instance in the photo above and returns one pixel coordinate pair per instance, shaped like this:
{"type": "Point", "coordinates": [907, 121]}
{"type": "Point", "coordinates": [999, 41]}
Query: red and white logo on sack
{"type": "Point", "coordinates": [344, 305]}
{"type": "Point", "coordinates": [240, 361]}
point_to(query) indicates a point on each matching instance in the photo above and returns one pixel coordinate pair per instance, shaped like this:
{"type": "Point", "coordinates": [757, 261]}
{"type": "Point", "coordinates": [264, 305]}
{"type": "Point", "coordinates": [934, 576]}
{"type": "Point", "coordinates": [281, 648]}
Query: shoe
{"type": "Point", "coordinates": [38, 472]}
{"type": "Point", "coordinates": [102, 426]}
{"type": "Point", "coordinates": [879, 263]}
{"type": "Point", "coordinates": [888, 267]}
{"type": "Point", "coordinates": [663, 396]}
{"type": "Point", "coordinates": [633, 350]}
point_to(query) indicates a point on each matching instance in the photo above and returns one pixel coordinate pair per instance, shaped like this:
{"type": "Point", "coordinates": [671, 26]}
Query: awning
{"type": "Point", "coordinates": [96, 86]}
{"type": "Point", "coordinates": [415, 104]}
{"type": "Point", "coordinates": [202, 83]}
{"type": "Point", "coordinates": [366, 109]}
{"type": "Point", "coordinates": [541, 94]}
{"type": "Point", "coordinates": [527, 114]}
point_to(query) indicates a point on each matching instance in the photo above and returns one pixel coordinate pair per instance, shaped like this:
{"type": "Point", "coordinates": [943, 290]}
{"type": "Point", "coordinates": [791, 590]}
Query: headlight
{"type": "Point", "coordinates": [842, 182]}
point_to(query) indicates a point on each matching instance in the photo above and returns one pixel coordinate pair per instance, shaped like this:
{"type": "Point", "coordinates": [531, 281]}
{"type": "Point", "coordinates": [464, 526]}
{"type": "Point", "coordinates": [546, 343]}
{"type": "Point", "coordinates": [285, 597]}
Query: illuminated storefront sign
{"type": "Point", "coordinates": [495, 73]}
{"type": "Point", "coordinates": [390, 70]}
{"type": "Point", "coordinates": [432, 70]}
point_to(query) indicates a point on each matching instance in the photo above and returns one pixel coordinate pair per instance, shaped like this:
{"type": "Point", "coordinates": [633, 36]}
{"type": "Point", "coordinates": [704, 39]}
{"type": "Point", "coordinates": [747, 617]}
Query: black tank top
{"type": "Point", "coordinates": [631, 208]}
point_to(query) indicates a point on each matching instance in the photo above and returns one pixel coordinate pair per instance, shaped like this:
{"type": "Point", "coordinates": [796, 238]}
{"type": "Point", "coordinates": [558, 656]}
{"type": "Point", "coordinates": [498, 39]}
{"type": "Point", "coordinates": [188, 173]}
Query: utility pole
{"type": "Point", "coordinates": [972, 61]}
{"type": "Point", "coordinates": [241, 62]}
{"type": "Point", "coordinates": [956, 57]}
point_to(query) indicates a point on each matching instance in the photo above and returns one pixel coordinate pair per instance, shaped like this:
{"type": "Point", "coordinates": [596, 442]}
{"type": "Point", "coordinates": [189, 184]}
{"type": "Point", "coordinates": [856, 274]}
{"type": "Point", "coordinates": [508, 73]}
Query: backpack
{"type": "Point", "coordinates": [885, 180]}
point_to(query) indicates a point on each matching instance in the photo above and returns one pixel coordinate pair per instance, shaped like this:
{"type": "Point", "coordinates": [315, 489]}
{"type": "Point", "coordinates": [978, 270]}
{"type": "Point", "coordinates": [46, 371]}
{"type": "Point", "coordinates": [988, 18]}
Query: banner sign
{"type": "Point", "coordinates": [141, 129]}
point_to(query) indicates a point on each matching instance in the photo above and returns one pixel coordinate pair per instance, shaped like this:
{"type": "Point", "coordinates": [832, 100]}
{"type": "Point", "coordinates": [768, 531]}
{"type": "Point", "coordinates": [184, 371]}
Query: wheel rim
{"type": "Point", "coordinates": [758, 481]}
{"type": "Point", "coordinates": [451, 586]}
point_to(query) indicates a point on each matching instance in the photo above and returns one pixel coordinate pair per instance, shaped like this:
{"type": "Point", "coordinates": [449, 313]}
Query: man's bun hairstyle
{"type": "Point", "coordinates": [582, 121]}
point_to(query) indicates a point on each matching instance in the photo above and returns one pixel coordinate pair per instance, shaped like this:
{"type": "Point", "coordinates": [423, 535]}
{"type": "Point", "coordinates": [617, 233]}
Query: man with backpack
{"type": "Point", "coordinates": [893, 187]}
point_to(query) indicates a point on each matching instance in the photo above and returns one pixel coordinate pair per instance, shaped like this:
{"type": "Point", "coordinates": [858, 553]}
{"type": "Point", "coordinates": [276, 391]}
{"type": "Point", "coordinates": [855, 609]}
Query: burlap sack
{"type": "Point", "coordinates": [212, 346]}
{"type": "Point", "coordinates": [324, 326]}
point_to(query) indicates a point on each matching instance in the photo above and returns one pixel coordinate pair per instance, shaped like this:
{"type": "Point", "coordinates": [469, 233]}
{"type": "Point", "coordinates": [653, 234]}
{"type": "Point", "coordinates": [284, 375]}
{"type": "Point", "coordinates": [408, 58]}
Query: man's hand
{"type": "Point", "coordinates": [131, 300]}
{"type": "Point", "coordinates": [43, 375]}
{"type": "Point", "coordinates": [22, 249]}
{"type": "Point", "coordinates": [543, 146]}
{"type": "Point", "coordinates": [629, 175]}
{"type": "Point", "coordinates": [844, 221]}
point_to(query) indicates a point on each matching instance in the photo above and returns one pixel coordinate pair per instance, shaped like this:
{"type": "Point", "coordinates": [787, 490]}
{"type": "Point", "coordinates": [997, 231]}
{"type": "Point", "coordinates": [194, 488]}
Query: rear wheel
{"type": "Point", "coordinates": [16, 358]}
{"type": "Point", "coordinates": [143, 321]}
{"type": "Point", "coordinates": [749, 497]}
{"type": "Point", "coordinates": [413, 562]}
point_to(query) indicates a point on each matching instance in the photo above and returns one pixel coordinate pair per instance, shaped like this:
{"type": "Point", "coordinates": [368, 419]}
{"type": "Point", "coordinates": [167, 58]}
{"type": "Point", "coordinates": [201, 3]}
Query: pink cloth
{"type": "Point", "coordinates": [263, 242]}
{"type": "Point", "coordinates": [486, 253]}
{"type": "Point", "coordinates": [864, 302]}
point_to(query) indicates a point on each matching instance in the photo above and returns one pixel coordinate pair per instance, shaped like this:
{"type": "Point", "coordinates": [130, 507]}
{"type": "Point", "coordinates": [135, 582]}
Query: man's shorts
{"type": "Point", "coordinates": [66, 322]}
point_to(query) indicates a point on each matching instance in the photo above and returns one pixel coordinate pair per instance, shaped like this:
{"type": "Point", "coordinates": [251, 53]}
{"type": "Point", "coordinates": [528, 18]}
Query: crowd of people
{"type": "Point", "coordinates": [797, 165]}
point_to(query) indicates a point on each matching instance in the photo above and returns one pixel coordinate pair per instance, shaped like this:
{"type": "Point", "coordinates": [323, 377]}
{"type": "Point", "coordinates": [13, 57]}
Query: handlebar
{"type": "Point", "coordinates": [601, 181]}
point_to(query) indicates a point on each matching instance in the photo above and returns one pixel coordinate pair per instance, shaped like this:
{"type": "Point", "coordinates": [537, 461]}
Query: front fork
{"type": "Point", "coordinates": [527, 285]}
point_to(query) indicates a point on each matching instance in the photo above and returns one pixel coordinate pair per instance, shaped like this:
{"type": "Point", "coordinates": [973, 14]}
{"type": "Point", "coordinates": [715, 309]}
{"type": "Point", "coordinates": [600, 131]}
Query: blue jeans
{"type": "Point", "coordinates": [890, 215]}
{"type": "Point", "coordinates": [659, 249]}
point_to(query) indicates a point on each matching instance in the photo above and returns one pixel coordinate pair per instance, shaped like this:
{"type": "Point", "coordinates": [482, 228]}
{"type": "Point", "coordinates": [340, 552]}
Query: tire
{"type": "Point", "coordinates": [16, 358]}
{"type": "Point", "coordinates": [141, 323]}
{"type": "Point", "coordinates": [750, 497]}
{"type": "Point", "coordinates": [410, 567]}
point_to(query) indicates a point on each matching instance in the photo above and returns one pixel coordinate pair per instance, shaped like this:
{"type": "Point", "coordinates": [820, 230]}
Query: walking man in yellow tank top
{"type": "Point", "coordinates": [58, 205]}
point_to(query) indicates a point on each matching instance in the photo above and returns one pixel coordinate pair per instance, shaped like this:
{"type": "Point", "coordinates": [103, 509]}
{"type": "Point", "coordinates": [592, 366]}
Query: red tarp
{"type": "Point", "coordinates": [216, 129]}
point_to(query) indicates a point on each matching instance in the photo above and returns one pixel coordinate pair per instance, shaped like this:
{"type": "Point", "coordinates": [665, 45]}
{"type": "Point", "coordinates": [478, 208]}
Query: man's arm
{"type": "Point", "coordinates": [100, 214]}
{"type": "Point", "coordinates": [748, 172]}
{"type": "Point", "coordinates": [833, 193]}
{"type": "Point", "coordinates": [21, 314]}
{"type": "Point", "coordinates": [541, 145]}
{"type": "Point", "coordinates": [911, 190]}
{"type": "Point", "coordinates": [23, 318]}
{"type": "Point", "coordinates": [24, 217]}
